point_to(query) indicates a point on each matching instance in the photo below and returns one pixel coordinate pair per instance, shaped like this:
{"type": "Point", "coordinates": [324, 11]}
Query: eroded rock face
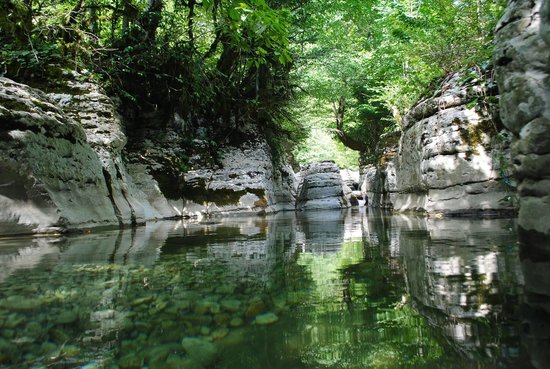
{"type": "Point", "coordinates": [522, 57]}
{"type": "Point", "coordinates": [321, 187]}
{"type": "Point", "coordinates": [49, 175]}
{"type": "Point", "coordinates": [96, 113]}
{"type": "Point", "coordinates": [64, 164]}
{"type": "Point", "coordinates": [246, 183]}
{"type": "Point", "coordinates": [453, 156]}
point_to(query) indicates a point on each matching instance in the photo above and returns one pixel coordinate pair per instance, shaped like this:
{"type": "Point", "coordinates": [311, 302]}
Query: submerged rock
{"type": "Point", "coordinates": [219, 333]}
{"type": "Point", "coordinates": [267, 318]}
{"type": "Point", "coordinates": [130, 361]}
{"type": "Point", "coordinates": [236, 322]}
{"type": "Point", "coordinates": [231, 305]}
{"type": "Point", "coordinates": [255, 306]}
{"type": "Point", "coordinates": [200, 350]}
{"type": "Point", "coordinates": [20, 303]}
{"type": "Point", "coordinates": [66, 317]}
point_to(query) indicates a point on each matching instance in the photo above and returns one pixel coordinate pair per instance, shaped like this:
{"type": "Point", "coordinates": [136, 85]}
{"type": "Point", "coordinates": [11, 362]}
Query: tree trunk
{"type": "Point", "coordinates": [339, 109]}
{"type": "Point", "coordinates": [27, 22]}
{"type": "Point", "coordinates": [151, 19]}
{"type": "Point", "coordinates": [190, 20]}
{"type": "Point", "coordinates": [69, 34]}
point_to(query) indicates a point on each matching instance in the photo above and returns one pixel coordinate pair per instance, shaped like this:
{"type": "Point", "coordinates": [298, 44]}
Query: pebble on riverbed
{"type": "Point", "coordinates": [200, 350]}
{"type": "Point", "coordinates": [265, 319]}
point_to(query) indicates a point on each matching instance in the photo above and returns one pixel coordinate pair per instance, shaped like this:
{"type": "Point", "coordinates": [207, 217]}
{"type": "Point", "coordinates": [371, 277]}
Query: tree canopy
{"type": "Point", "coordinates": [350, 68]}
{"type": "Point", "coordinates": [365, 62]}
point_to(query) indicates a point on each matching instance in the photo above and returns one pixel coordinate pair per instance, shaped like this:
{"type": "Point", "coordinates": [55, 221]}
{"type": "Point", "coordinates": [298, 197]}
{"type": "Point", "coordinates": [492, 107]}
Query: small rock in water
{"type": "Point", "coordinates": [205, 306]}
{"type": "Point", "coordinates": [20, 303]}
{"type": "Point", "coordinates": [236, 322]}
{"type": "Point", "coordinates": [255, 307]}
{"type": "Point", "coordinates": [219, 333]}
{"type": "Point", "coordinates": [66, 317]}
{"type": "Point", "coordinates": [267, 318]}
{"type": "Point", "coordinates": [161, 305]}
{"type": "Point", "coordinates": [48, 348]}
{"type": "Point", "coordinates": [142, 301]}
{"type": "Point", "coordinates": [14, 320]}
{"type": "Point", "coordinates": [222, 319]}
{"type": "Point", "coordinates": [70, 350]}
{"type": "Point", "coordinates": [200, 350]}
{"type": "Point", "coordinates": [34, 329]}
{"type": "Point", "coordinates": [231, 305]}
{"type": "Point", "coordinates": [226, 289]}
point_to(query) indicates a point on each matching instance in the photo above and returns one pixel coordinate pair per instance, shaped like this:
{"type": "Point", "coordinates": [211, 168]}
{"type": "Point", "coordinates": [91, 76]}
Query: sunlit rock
{"type": "Point", "coordinates": [62, 161]}
{"type": "Point", "coordinates": [321, 187]}
{"type": "Point", "coordinates": [453, 156]}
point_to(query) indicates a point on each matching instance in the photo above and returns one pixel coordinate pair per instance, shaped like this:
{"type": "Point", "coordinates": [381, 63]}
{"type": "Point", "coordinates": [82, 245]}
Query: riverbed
{"type": "Point", "coordinates": [326, 289]}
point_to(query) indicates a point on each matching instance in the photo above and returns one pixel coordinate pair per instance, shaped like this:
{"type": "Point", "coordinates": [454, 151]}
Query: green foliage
{"type": "Point", "coordinates": [377, 57]}
{"type": "Point", "coordinates": [219, 64]}
{"type": "Point", "coordinates": [223, 65]}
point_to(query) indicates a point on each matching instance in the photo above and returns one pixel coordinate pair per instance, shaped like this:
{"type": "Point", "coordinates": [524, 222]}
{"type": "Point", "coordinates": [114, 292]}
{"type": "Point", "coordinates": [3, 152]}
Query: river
{"type": "Point", "coordinates": [326, 289]}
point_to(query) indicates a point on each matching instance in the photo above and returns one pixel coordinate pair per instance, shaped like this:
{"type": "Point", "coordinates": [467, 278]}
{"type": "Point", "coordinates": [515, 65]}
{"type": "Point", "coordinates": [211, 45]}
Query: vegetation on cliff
{"type": "Point", "coordinates": [212, 65]}
{"type": "Point", "coordinates": [346, 68]}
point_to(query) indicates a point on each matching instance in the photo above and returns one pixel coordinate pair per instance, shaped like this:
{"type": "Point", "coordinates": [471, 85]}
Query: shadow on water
{"type": "Point", "coordinates": [327, 289]}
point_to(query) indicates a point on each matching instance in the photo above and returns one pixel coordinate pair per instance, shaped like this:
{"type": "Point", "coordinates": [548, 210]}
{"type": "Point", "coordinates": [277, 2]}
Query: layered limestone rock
{"type": "Point", "coordinates": [453, 157]}
{"type": "Point", "coordinates": [379, 185]}
{"type": "Point", "coordinates": [352, 191]}
{"type": "Point", "coordinates": [96, 113]}
{"type": "Point", "coordinates": [63, 164]}
{"type": "Point", "coordinates": [522, 57]}
{"type": "Point", "coordinates": [246, 182]}
{"type": "Point", "coordinates": [49, 175]}
{"type": "Point", "coordinates": [321, 187]}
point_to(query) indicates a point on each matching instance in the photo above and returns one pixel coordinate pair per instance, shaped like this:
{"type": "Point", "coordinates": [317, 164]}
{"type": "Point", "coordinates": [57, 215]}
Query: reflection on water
{"type": "Point", "coordinates": [308, 290]}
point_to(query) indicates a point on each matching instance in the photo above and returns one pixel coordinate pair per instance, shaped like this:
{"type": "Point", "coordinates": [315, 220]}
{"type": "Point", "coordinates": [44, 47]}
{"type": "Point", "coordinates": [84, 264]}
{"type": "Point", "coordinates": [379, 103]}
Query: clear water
{"type": "Point", "coordinates": [335, 289]}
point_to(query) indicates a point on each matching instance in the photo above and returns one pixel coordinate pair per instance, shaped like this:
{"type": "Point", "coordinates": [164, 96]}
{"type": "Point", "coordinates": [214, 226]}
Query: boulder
{"type": "Point", "coordinates": [321, 187]}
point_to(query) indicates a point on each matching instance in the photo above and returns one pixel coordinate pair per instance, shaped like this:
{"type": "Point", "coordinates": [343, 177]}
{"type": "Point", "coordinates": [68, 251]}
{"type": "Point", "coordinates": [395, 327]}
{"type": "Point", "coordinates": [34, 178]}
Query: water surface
{"type": "Point", "coordinates": [331, 289]}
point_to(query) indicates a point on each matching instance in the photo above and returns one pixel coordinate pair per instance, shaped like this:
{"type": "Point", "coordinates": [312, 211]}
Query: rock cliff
{"type": "Point", "coordinates": [64, 164]}
{"type": "Point", "coordinates": [49, 174]}
{"type": "Point", "coordinates": [247, 182]}
{"type": "Point", "coordinates": [452, 156]}
{"type": "Point", "coordinates": [522, 57]}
